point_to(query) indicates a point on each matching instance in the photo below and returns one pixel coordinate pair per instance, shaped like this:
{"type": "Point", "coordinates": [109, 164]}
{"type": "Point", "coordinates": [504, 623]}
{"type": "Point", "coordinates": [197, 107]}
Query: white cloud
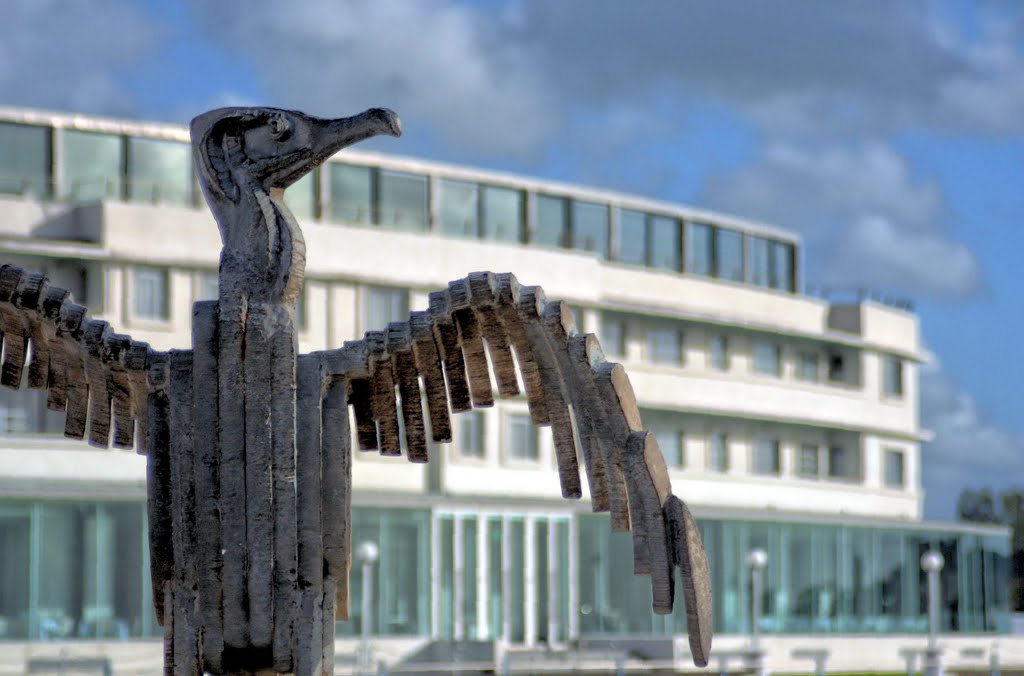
{"type": "Point", "coordinates": [968, 450]}
{"type": "Point", "coordinates": [872, 223]}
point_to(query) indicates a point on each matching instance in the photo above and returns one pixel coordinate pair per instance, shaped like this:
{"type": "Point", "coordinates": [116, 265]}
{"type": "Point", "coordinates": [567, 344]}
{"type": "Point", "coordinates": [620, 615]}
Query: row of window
{"type": "Point", "coordinates": [665, 344]}
{"type": "Point", "coordinates": [812, 460]}
{"type": "Point", "coordinates": [96, 165]}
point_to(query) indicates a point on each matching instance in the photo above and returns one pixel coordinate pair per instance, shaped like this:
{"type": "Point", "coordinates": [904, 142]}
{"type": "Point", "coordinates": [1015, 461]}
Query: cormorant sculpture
{"type": "Point", "coordinates": [248, 443]}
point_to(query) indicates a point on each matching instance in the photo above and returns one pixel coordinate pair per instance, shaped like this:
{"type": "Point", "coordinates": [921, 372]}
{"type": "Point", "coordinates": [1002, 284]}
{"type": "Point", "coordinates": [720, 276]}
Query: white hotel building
{"type": "Point", "coordinates": [789, 422]}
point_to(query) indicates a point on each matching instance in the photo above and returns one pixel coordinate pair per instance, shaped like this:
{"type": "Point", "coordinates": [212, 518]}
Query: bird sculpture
{"type": "Point", "coordinates": [248, 443]}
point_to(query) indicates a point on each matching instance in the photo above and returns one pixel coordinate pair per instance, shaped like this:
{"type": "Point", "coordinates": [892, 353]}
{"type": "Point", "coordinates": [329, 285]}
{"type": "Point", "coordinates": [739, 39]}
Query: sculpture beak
{"type": "Point", "coordinates": [330, 136]}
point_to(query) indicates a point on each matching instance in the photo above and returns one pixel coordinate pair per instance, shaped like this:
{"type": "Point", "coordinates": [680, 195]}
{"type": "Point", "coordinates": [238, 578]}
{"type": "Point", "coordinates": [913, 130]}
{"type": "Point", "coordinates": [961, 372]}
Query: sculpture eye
{"type": "Point", "coordinates": [279, 127]}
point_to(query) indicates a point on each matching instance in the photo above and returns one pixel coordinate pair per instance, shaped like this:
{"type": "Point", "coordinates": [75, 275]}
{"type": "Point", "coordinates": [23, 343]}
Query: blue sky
{"type": "Point", "coordinates": [892, 139]}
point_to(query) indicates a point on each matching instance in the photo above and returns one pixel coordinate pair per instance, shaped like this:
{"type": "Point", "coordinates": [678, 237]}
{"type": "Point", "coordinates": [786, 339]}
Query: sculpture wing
{"type": "Point", "coordinates": [97, 376]}
{"type": "Point", "coordinates": [569, 386]}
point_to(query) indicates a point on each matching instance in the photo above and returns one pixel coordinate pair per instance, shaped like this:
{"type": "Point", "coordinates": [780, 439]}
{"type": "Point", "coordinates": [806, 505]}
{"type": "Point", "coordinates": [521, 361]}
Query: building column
{"type": "Point", "coordinates": [458, 580]}
{"type": "Point", "coordinates": [573, 621]}
{"type": "Point", "coordinates": [435, 576]}
{"type": "Point", "coordinates": [483, 570]}
{"type": "Point", "coordinates": [553, 595]}
{"type": "Point", "coordinates": [530, 581]}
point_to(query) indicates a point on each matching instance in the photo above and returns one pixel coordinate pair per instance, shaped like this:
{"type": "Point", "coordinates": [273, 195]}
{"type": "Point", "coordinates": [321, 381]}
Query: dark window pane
{"type": "Point", "coordinates": [807, 462]}
{"type": "Point", "coordinates": [718, 459]}
{"type": "Point", "coordinates": [728, 255]}
{"type": "Point", "coordinates": [759, 260]}
{"type": "Point", "coordinates": [632, 237]}
{"type": "Point", "coordinates": [522, 438]}
{"type": "Point", "coordinates": [552, 221]}
{"type": "Point", "coordinates": [698, 248]}
{"type": "Point", "coordinates": [351, 193]}
{"type": "Point", "coordinates": [503, 214]}
{"type": "Point", "coordinates": [894, 475]}
{"type": "Point", "coordinates": [385, 304]}
{"type": "Point", "coordinates": [843, 463]}
{"type": "Point", "coordinates": [719, 352]}
{"type": "Point", "coordinates": [459, 208]}
{"type": "Point", "coordinates": [92, 165]}
{"type": "Point", "coordinates": [670, 441]}
{"type": "Point", "coordinates": [664, 236]}
{"type": "Point", "coordinates": [665, 345]}
{"type": "Point", "coordinates": [767, 359]}
{"type": "Point", "coordinates": [590, 227]}
{"type": "Point", "coordinates": [893, 377]}
{"type": "Point", "coordinates": [766, 456]}
{"type": "Point", "coordinates": [158, 171]}
{"type": "Point", "coordinates": [782, 267]}
{"type": "Point", "coordinates": [403, 201]}
{"type": "Point", "coordinates": [24, 159]}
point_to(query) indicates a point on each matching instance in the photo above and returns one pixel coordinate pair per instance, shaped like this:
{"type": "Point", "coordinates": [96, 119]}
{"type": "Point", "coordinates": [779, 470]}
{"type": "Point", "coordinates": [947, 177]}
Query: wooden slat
{"type": "Point", "coordinates": [94, 336]}
{"type": "Point", "coordinates": [259, 488]}
{"type": "Point", "coordinates": [231, 398]}
{"type": "Point", "coordinates": [308, 480]}
{"type": "Point", "coordinates": [70, 329]}
{"type": "Point", "coordinates": [428, 364]}
{"type": "Point", "coordinates": [137, 366]}
{"type": "Point", "coordinates": [403, 366]}
{"type": "Point", "coordinates": [119, 385]}
{"type": "Point", "coordinates": [383, 402]}
{"type": "Point", "coordinates": [361, 398]}
{"type": "Point", "coordinates": [647, 474]}
{"type": "Point", "coordinates": [186, 623]}
{"type": "Point", "coordinates": [283, 394]}
{"type": "Point", "coordinates": [506, 302]}
{"type": "Point", "coordinates": [446, 338]}
{"type": "Point", "coordinates": [530, 309]}
{"type": "Point", "coordinates": [689, 555]}
{"type": "Point", "coordinates": [336, 506]}
{"type": "Point", "coordinates": [481, 291]}
{"type": "Point", "coordinates": [209, 560]}
{"type": "Point", "coordinates": [158, 485]}
{"type": "Point", "coordinates": [471, 343]}
{"type": "Point", "coordinates": [594, 428]}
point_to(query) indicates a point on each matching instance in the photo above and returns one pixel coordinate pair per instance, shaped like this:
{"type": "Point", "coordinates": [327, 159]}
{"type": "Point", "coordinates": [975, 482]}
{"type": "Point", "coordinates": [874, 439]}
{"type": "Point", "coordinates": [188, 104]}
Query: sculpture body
{"type": "Point", "coordinates": [248, 444]}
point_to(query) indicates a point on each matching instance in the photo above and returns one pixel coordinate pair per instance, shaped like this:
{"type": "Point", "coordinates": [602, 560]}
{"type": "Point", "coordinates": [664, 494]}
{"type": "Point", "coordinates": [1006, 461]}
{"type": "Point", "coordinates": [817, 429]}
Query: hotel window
{"type": "Point", "coordinates": [159, 171]}
{"type": "Point", "coordinates": [665, 345]}
{"type": "Point", "coordinates": [807, 367]}
{"type": "Point", "coordinates": [521, 437]}
{"type": "Point", "coordinates": [663, 236]}
{"type": "Point", "coordinates": [384, 304]}
{"type": "Point", "coordinates": [631, 237]}
{"type": "Point", "coordinates": [842, 463]}
{"type": "Point", "coordinates": [301, 196]}
{"type": "Point", "coordinates": [503, 210]}
{"type": "Point", "coordinates": [460, 208]}
{"type": "Point", "coordinates": [471, 434]}
{"type": "Point", "coordinates": [24, 159]}
{"type": "Point", "coordinates": [552, 227]}
{"type": "Point", "coordinates": [718, 457]}
{"type": "Point", "coordinates": [767, 358]}
{"type": "Point", "coordinates": [150, 291]}
{"type": "Point", "coordinates": [728, 254]}
{"type": "Point", "coordinates": [402, 201]}
{"type": "Point", "coordinates": [760, 249]}
{"type": "Point", "coordinates": [808, 462]}
{"type": "Point", "coordinates": [209, 286]}
{"type": "Point", "coordinates": [613, 336]}
{"type": "Point", "coordinates": [351, 193]}
{"type": "Point", "coordinates": [590, 227]}
{"type": "Point", "coordinates": [92, 165]}
{"type": "Point", "coordinates": [894, 468]}
{"type": "Point", "coordinates": [766, 456]}
{"type": "Point", "coordinates": [698, 248]}
{"type": "Point", "coordinates": [670, 441]}
{"type": "Point", "coordinates": [893, 376]}
{"type": "Point", "coordinates": [719, 352]}
{"type": "Point", "coordinates": [781, 271]}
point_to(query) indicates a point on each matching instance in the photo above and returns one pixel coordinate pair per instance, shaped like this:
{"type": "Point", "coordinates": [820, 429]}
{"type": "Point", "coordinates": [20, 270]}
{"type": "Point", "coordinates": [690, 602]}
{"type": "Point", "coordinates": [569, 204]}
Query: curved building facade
{"type": "Point", "coordinates": [789, 421]}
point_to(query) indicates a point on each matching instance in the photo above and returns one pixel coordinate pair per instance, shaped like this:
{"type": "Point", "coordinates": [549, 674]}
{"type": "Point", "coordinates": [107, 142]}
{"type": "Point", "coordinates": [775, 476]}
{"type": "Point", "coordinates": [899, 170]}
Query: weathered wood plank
{"type": "Point", "coordinates": [403, 366]}
{"type": "Point", "coordinates": [482, 294]}
{"type": "Point", "coordinates": [159, 509]}
{"type": "Point", "coordinates": [328, 613]}
{"type": "Point", "coordinates": [648, 474]}
{"type": "Point", "coordinates": [506, 302]}
{"type": "Point", "coordinates": [166, 594]}
{"type": "Point", "coordinates": [137, 367]}
{"type": "Point", "coordinates": [186, 624]}
{"type": "Point", "coordinates": [607, 374]}
{"type": "Point", "coordinates": [446, 339]}
{"type": "Point", "coordinates": [94, 336]}
{"type": "Point", "coordinates": [361, 397]}
{"type": "Point", "coordinates": [308, 477]}
{"type": "Point", "coordinates": [207, 481]}
{"type": "Point", "coordinates": [57, 395]}
{"type": "Point", "coordinates": [470, 340]}
{"type": "Point", "coordinates": [530, 309]}
{"type": "Point", "coordinates": [594, 434]}
{"type": "Point", "coordinates": [689, 555]}
{"type": "Point", "coordinates": [383, 402]}
{"type": "Point", "coordinates": [14, 327]}
{"type": "Point", "coordinates": [285, 524]}
{"type": "Point", "coordinates": [231, 406]}
{"type": "Point", "coordinates": [309, 634]}
{"type": "Point", "coordinates": [69, 330]}
{"type": "Point", "coordinates": [428, 364]}
{"type": "Point", "coordinates": [259, 488]}
{"type": "Point", "coordinates": [336, 507]}
{"type": "Point", "coordinates": [28, 299]}
{"type": "Point", "coordinates": [115, 350]}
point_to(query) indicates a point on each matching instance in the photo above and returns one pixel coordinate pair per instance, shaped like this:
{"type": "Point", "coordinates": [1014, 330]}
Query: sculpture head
{"type": "Point", "coordinates": [269, 148]}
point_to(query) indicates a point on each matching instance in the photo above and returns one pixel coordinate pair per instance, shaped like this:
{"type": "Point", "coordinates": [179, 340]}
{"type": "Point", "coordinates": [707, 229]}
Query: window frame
{"type": "Point", "coordinates": [776, 455]}
{"type": "Point", "coordinates": [510, 421]}
{"type": "Point", "coordinates": [755, 364]}
{"type": "Point", "coordinates": [478, 435]}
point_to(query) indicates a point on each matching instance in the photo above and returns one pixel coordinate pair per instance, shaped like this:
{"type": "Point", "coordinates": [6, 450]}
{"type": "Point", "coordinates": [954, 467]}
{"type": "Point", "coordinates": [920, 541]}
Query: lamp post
{"type": "Point", "coordinates": [931, 564]}
{"type": "Point", "coordinates": [367, 553]}
{"type": "Point", "coordinates": [757, 559]}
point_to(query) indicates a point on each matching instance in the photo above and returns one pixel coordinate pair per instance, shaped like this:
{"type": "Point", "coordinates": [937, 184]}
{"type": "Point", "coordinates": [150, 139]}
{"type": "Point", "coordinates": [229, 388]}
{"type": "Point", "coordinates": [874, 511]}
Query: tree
{"type": "Point", "coordinates": [977, 506]}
